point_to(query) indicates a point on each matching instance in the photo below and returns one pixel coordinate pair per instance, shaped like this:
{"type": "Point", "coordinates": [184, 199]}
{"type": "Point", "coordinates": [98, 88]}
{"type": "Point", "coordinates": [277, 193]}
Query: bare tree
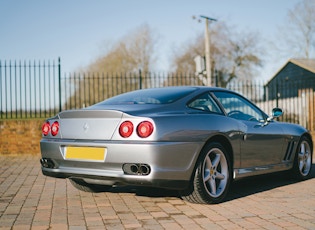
{"type": "Point", "coordinates": [183, 57]}
{"type": "Point", "coordinates": [299, 30]}
{"type": "Point", "coordinates": [232, 56]}
{"type": "Point", "coordinates": [238, 58]}
{"type": "Point", "coordinates": [114, 72]}
{"type": "Point", "coordinates": [133, 52]}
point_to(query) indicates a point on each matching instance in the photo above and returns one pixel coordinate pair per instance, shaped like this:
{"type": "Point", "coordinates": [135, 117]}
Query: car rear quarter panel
{"type": "Point", "coordinates": [199, 128]}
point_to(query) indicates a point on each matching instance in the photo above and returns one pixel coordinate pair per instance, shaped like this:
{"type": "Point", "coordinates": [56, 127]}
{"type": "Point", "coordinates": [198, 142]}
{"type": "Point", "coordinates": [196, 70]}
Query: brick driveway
{"type": "Point", "coordinates": [29, 200]}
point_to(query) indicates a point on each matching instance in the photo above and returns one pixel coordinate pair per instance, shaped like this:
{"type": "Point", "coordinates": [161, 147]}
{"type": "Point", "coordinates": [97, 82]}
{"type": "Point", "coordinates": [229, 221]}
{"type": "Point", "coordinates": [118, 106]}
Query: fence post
{"type": "Point", "coordinates": [59, 82]}
{"type": "Point", "coordinates": [140, 79]}
{"type": "Point", "coordinates": [277, 95]}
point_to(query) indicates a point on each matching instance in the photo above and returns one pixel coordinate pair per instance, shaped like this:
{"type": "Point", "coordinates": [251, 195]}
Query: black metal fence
{"type": "Point", "coordinates": [37, 89]}
{"type": "Point", "coordinates": [29, 89]}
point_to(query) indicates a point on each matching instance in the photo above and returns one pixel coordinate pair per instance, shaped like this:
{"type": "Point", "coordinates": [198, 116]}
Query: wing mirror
{"type": "Point", "coordinates": [276, 112]}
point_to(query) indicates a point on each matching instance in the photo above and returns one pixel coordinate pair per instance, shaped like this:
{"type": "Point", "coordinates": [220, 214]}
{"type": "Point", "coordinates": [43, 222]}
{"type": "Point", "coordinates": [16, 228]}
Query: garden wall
{"type": "Point", "coordinates": [20, 136]}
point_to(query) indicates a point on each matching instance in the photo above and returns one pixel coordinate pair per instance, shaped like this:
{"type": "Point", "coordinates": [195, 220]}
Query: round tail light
{"type": "Point", "coordinates": [145, 129]}
{"type": "Point", "coordinates": [55, 128]}
{"type": "Point", "coordinates": [126, 129]}
{"type": "Point", "coordinates": [46, 128]}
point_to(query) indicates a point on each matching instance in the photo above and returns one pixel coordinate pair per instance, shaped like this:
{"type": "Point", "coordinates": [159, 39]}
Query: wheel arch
{"type": "Point", "coordinates": [224, 142]}
{"type": "Point", "coordinates": [309, 136]}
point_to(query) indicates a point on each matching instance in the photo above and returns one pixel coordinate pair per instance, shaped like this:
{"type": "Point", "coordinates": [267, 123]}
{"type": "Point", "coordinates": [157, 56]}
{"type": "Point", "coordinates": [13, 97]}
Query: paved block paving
{"type": "Point", "coordinates": [29, 200]}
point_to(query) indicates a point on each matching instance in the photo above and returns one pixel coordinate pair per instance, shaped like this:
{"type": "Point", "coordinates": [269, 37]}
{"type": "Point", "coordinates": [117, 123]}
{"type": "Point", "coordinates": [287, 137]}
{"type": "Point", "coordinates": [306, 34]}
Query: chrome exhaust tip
{"type": "Point", "coordinates": [47, 163]}
{"type": "Point", "coordinates": [144, 169]}
{"type": "Point", "coordinates": [137, 169]}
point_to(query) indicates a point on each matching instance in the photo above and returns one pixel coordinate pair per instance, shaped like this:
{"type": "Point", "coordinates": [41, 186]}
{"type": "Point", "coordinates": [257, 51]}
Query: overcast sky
{"type": "Point", "coordinates": [78, 31]}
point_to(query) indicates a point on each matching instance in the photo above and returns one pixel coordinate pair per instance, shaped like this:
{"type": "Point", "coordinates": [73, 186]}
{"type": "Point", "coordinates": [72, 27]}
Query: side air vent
{"type": "Point", "coordinates": [289, 151]}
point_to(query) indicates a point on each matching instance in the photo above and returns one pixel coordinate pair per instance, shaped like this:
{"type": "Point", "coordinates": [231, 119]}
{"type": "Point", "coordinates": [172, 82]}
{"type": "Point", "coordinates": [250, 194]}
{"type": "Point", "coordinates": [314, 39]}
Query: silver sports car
{"type": "Point", "coordinates": [192, 139]}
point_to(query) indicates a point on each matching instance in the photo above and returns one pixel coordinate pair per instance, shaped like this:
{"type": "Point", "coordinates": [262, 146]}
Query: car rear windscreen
{"type": "Point", "coordinates": [150, 96]}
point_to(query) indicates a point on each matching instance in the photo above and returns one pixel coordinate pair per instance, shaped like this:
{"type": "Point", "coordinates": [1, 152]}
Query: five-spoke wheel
{"type": "Point", "coordinates": [303, 159]}
{"type": "Point", "coordinates": [215, 172]}
{"type": "Point", "coordinates": [212, 176]}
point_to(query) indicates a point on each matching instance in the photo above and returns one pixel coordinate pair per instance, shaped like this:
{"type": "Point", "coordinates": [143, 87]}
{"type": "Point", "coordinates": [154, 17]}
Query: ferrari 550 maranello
{"type": "Point", "coordinates": [196, 140]}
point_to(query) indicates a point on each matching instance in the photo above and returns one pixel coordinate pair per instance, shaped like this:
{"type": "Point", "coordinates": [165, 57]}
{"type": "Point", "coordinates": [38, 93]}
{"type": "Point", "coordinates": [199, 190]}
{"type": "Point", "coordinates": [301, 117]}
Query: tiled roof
{"type": "Point", "coordinates": [308, 64]}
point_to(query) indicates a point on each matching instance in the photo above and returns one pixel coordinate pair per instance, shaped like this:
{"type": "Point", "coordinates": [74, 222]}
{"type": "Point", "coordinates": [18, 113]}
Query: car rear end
{"type": "Point", "coordinates": [114, 148]}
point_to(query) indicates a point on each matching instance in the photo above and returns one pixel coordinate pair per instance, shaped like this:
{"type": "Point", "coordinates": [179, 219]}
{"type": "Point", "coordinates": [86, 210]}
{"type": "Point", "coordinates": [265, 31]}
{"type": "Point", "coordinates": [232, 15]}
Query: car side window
{"type": "Point", "coordinates": [239, 108]}
{"type": "Point", "coordinates": [206, 103]}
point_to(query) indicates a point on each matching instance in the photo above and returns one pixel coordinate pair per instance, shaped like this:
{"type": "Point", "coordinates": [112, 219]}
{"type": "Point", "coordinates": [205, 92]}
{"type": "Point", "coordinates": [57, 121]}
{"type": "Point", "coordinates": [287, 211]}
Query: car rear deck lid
{"type": "Point", "coordinates": [84, 113]}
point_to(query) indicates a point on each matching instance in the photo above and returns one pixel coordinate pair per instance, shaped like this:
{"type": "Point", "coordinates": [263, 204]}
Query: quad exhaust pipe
{"type": "Point", "coordinates": [137, 169]}
{"type": "Point", "coordinates": [131, 169]}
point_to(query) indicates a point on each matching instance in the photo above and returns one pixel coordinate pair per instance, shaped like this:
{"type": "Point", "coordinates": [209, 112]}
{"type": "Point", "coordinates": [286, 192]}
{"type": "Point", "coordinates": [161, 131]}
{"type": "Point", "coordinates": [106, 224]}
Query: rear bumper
{"type": "Point", "coordinates": [93, 179]}
{"type": "Point", "coordinates": [171, 163]}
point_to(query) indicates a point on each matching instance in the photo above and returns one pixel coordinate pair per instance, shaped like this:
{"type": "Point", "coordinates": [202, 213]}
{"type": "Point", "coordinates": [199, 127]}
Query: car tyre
{"type": "Point", "coordinates": [302, 164]}
{"type": "Point", "coordinates": [212, 176]}
{"type": "Point", "coordinates": [86, 187]}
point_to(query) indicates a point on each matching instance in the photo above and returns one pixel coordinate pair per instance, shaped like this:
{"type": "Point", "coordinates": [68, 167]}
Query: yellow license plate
{"type": "Point", "coordinates": [85, 153]}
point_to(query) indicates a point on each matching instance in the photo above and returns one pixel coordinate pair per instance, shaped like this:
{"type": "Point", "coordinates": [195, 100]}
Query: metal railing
{"type": "Point", "coordinates": [29, 89]}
